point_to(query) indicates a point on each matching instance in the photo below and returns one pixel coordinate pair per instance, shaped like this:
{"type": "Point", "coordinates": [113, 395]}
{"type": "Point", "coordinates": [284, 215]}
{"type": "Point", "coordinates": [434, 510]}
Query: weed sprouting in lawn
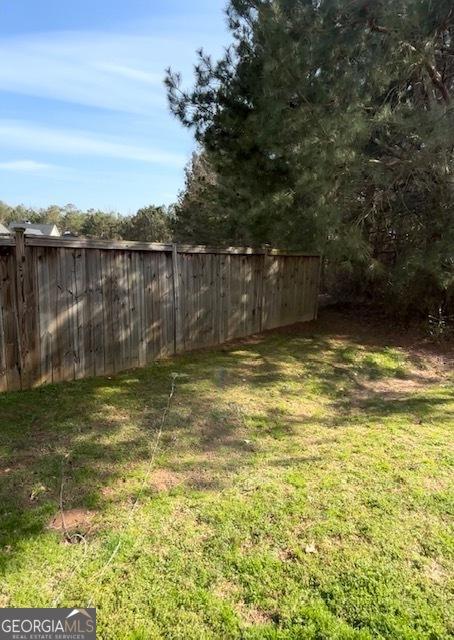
{"type": "Point", "coordinates": [301, 489]}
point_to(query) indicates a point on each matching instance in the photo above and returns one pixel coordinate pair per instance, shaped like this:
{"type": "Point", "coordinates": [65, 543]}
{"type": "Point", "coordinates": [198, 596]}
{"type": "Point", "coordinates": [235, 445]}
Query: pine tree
{"type": "Point", "coordinates": [196, 216]}
{"type": "Point", "coordinates": [329, 126]}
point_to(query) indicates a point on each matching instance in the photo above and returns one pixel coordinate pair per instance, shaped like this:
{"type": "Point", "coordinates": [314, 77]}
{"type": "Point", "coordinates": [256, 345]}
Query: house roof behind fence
{"type": "Point", "coordinates": [35, 229]}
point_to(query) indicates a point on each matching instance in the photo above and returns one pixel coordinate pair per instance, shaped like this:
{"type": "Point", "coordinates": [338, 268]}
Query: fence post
{"type": "Point", "coordinates": [21, 303]}
{"type": "Point", "coordinates": [177, 325]}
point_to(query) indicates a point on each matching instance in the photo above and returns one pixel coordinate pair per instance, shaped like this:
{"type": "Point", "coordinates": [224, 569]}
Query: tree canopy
{"type": "Point", "coordinates": [328, 125]}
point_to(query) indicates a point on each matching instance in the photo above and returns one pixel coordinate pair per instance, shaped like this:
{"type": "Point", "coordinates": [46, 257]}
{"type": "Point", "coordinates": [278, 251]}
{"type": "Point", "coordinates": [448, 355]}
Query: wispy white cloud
{"type": "Point", "coordinates": [118, 71]}
{"type": "Point", "coordinates": [123, 148]}
{"type": "Point", "coordinates": [22, 135]}
{"type": "Point", "coordinates": [26, 166]}
{"type": "Point", "coordinates": [130, 73]}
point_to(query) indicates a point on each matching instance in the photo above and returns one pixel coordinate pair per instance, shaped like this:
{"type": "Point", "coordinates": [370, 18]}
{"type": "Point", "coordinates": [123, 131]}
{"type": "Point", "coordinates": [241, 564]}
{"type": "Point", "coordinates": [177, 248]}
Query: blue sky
{"type": "Point", "coordinates": [83, 111]}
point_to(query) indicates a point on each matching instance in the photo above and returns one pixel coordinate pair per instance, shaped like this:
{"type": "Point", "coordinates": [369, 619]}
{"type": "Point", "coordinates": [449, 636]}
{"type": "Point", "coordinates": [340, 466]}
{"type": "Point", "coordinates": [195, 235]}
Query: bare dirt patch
{"type": "Point", "coordinates": [437, 485]}
{"type": "Point", "coordinates": [201, 480]}
{"type": "Point", "coordinates": [435, 572]}
{"type": "Point", "coordinates": [252, 616]}
{"type": "Point", "coordinates": [165, 480]}
{"type": "Point", "coordinates": [226, 590]}
{"type": "Point", "coordinates": [73, 520]}
{"type": "Point", "coordinates": [4, 601]}
{"type": "Point", "coordinates": [416, 380]}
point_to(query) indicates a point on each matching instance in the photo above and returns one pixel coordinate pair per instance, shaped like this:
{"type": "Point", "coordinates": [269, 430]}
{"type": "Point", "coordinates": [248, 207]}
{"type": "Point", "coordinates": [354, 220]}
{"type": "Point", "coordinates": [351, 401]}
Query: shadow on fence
{"type": "Point", "coordinates": [72, 309]}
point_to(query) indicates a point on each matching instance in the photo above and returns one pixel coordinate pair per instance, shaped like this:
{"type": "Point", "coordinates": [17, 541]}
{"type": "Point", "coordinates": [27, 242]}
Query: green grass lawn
{"type": "Point", "coordinates": [302, 489]}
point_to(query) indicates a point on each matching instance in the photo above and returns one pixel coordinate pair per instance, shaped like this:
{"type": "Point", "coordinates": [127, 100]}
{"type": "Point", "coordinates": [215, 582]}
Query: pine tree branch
{"type": "Point", "coordinates": [434, 74]}
{"type": "Point", "coordinates": [437, 81]}
{"type": "Point", "coordinates": [373, 26]}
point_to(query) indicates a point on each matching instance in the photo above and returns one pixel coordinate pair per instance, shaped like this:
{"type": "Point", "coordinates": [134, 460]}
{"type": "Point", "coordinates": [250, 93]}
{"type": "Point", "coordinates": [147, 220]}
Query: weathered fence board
{"type": "Point", "coordinates": [74, 308]}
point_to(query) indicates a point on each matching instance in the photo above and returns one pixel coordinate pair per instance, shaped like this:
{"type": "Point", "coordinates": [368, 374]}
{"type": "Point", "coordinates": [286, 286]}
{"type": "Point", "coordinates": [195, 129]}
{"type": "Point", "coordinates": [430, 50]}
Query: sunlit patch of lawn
{"type": "Point", "coordinates": [302, 488]}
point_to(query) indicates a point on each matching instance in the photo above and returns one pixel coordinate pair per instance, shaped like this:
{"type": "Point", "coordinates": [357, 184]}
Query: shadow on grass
{"type": "Point", "coordinates": [101, 430]}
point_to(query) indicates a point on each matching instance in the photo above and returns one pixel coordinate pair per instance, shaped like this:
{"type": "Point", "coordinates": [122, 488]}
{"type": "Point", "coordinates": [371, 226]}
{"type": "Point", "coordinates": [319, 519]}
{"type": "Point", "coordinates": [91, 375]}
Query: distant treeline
{"type": "Point", "coordinates": [149, 224]}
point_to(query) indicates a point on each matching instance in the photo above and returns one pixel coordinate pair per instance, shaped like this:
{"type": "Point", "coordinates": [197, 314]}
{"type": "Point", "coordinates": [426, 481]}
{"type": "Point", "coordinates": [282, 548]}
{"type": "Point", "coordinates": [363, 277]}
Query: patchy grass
{"type": "Point", "coordinates": [302, 490]}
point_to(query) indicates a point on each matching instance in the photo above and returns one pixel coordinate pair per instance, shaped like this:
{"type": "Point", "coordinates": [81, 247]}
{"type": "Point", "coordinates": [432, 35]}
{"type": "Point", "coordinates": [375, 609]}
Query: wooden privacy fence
{"type": "Point", "coordinates": [73, 308]}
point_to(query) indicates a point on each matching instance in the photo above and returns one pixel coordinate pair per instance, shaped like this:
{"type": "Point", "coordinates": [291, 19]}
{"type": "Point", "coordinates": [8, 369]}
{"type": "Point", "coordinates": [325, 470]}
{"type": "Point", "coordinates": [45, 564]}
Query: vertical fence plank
{"type": "Point", "coordinates": [80, 297]}
{"type": "Point", "coordinates": [21, 334]}
{"type": "Point", "coordinates": [107, 311]}
{"type": "Point", "coordinates": [64, 365]}
{"type": "Point", "coordinates": [229, 296]}
{"type": "Point", "coordinates": [166, 305]}
{"type": "Point", "coordinates": [176, 280]}
{"type": "Point", "coordinates": [97, 311]}
{"type": "Point", "coordinates": [189, 302]}
{"type": "Point", "coordinates": [69, 300]}
{"type": "Point", "coordinates": [217, 339]}
{"type": "Point", "coordinates": [159, 306]}
{"type": "Point", "coordinates": [141, 311]}
{"type": "Point", "coordinates": [133, 309]}
{"type": "Point", "coordinates": [45, 318]}
{"type": "Point", "coordinates": [317, 287]}
{"type": "Point", "coordinates": [3, 367]}
{"type": "Point", "coordinates": [5, 255]}
{"type": "Point", "coordinates": [125, 301]}
{"type": "Point", "coordinates": [117, 327]}
{"type": "Point", "coordinates": [148, 264]}
{"type": "Point", "coordinates": [12, 351]}
{"type": "Point", "coordinates": [59, 313]}
{"type": "Point", "coordinates": [156, 303]}
{"type": "Point", "coordinates": [89, 286]}
{"type": "Point", "coordinates": [52, 329]}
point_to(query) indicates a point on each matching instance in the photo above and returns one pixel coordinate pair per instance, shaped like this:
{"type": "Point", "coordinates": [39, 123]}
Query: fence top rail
{"type": "Point", "coordinates": [88, 243]}
{"type": "Point", "coordinates": [7, 241]}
